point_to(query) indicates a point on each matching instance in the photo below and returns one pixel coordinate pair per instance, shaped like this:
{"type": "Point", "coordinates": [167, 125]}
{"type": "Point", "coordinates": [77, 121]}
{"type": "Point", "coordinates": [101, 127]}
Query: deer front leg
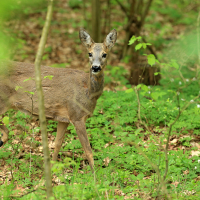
{"type": "Point", "coordinates": [82, 134]}
{"type": "Point", "coordinates": [61, 128]}
{"type": "Point", "coordinates": [4, 137]}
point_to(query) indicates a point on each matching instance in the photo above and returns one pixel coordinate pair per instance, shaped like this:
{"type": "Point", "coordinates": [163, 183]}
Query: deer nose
{"type": "Point", "coordinates": [96, 68]}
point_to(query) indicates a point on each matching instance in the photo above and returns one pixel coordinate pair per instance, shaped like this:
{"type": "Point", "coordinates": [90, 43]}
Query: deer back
{"type": "Point", "coordinates": [66, 95]}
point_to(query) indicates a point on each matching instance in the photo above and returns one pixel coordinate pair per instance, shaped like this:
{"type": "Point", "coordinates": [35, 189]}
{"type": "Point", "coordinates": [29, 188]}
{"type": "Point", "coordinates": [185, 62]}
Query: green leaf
{"type": "Point", "coordinates": [138, 46]}
{"type": "Point", "coordinates": [45, 57]}
{"type": "Point", "coordinates": [139, 86]}
{"type": "Point", "coordinates": [174, 64]}
{"type": "Point", "coordinates": [132, 40]}
{"type": "Point", "coordinates": [138, 131]}
{"type": "Point", "coordinates": [60, 188]}
{"type": "Point", "coordinates": [156, 73]}
{"type": "Point", "coordinates": [27, 79]}
{"type": "Point", "coordinates": [49, 77]}
{"type": "Point", "coordinates": [144, 45]}
{"type": "Point", "coordinates": [6, 120]}
{"type": "Point", "coordinates": [151, 59]}
{"type": "Point", "coordinates": [129, 90]}
{"type": "Point", "coordinates": [138, 38]}
{"type": "Point", "coordinates": [157, 61]}
{"type": "Point", "coordinates": [30, 92]}
{"type": "Point", "coordinates": [156, 95]}
{"type": "Point", "coordinates": [145, 88]}
{"type": "Point", "coordinates": [17, 87]}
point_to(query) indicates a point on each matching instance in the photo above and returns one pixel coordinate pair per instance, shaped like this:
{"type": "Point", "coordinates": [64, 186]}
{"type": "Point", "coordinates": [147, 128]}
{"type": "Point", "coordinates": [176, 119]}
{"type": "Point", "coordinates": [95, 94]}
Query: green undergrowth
{"type": "Point", "coordinates": [118, 141]}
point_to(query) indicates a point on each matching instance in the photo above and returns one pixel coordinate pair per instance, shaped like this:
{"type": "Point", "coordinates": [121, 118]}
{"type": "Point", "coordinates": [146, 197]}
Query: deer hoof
{"type": "Point", "coordinates": [1, 143]}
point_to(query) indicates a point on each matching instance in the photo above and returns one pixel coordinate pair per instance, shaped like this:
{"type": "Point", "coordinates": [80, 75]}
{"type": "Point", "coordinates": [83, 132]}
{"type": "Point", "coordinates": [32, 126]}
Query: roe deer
{"type": "Point", "coordinates": [70, 96]}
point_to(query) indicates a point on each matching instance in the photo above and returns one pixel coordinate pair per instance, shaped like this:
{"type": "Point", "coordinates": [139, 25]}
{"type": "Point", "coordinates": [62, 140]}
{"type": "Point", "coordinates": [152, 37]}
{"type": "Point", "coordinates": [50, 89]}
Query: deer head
{"type": "Point", "coordinates": [98, 51]}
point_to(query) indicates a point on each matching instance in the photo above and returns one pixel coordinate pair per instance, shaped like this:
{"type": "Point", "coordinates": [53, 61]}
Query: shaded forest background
{"type": "Point", "coordinates": [163, 23]}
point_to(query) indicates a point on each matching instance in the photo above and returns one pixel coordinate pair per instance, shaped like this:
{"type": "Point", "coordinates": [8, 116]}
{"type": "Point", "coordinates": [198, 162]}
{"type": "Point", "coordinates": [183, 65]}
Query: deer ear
{"type": "Point", "coordinates": [85, 38]}
{"type": "Point", "coordinates": [110, 40]}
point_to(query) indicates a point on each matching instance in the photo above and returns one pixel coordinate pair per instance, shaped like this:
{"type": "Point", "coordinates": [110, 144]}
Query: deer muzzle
{"type": "Point", "coordinates": [96, 69]}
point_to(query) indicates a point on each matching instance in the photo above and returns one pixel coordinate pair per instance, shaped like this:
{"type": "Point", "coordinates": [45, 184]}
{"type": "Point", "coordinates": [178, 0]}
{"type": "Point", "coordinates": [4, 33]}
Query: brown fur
{"type": "Point", "coordinates": [70, 96]}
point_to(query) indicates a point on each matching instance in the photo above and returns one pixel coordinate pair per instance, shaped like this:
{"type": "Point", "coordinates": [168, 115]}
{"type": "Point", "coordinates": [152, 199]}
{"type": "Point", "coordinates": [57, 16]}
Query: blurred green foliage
{"type": "Point", "coordinates": [10, 9]}
{"type": "Point", "coordinates": [5, 46]}
{"type": "Point", "coordinates": [185, 50]}
{"type": "Point", "coordinates": [166, 16]}
{"type": "Point", "coordinates": [75, 3]}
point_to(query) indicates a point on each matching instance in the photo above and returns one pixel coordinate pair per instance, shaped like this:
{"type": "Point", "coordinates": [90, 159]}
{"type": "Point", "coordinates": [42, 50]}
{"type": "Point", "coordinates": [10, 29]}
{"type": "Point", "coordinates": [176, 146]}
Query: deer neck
{"type": "Point", "coordinates": [96, 83]}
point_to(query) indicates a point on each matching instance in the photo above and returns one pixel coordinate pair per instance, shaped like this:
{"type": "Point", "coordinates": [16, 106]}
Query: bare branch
{"type": "Point", "coordinates": [123, 8]}
{"type": "Point", "coordinates": [96, 20]}
{"type": "Point", "coordinates": [41, 99]}
{"type": "Point", "coordinates": [162, 184]}
{"type": "Point", "coordinates": [108, 14]}
{"type": "Point", "coordinates": [150, 49]}
{"type": "Point", "coordinates": [84, 11]}
{"type": "Point", "coordinates": [198, 35]}
{"type": "Point", "coordinates": [139, 7]}
{"type": "Point", "coordinates": [132, 10]}
{"type": "Point", "coordinates": [169, 133]}
{"type": "Point", "coordinates": [146, 12]}
{"type": "Point", "coordinates": [139, 115]}
{"type": "Point", "coordinates": [181, 75]}
{"type": "Point", "coordinates": [198, 43]}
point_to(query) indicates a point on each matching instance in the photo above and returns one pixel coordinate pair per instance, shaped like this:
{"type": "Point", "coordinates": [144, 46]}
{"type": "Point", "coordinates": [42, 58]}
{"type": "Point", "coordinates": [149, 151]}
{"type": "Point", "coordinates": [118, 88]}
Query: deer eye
{"type": "Point", "coordinates": [104, 55]}
{"type": "Point", "coordinates": [90, 55]}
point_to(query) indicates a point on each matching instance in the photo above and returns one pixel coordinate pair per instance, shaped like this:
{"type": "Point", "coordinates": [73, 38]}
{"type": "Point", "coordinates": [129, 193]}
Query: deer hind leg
{"type": "Point", "coordinates": [61, 128]}
{"type": "Point", "coordinates": [3, 129]}
{"type": "Point", "coordinates": [82, 134]}
{"type": "Point", "coordinates": [4, 135]}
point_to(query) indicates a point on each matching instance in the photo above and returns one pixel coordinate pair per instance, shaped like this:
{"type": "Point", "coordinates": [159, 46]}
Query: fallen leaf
{"type": "Point", "coordinates": [106, 161]}
{"type": "Point", "coordinates": [174, 141]}
{"type": "Point", "coordinates": [195, 153]}
{"type": "Point", "coordinates": [175, 183]}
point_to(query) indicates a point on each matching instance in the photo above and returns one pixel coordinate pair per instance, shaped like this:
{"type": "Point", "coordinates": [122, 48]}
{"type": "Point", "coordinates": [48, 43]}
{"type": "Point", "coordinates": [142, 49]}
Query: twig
{"type": "Point", "coordinates": [108, 14]}
{"type": "Point", "coordinates": [155, 167]}
{"type": "Point", "coordinates": [84, 11]}
{"type": "Point", "coordinates": [150, 49]}
{"type": "Point", "coordinates": [139, 115]}
{"type": "Point", "coordinates": [139, 7]}
{"type": "Point", "coordinates": [146, 12]}
{"type": "Point", "coordinates": [162, 180]}
{"type": "Point", "coordinates": [123, 8]}
{"type": "Point", "coordinates": [132, 9]}
{"type": "Point", "coordinates": [198, 43]}
{"type": "Point", "coordinates": [19, 196]}
{"type": "Point", "coordinates": [42, 117]}
{"type": "Point", "coordinates": [181, 75]}
{"type": "Point", "coordinates": [198, 35]}
{"type": "Point", "coordinates": [169, 134]}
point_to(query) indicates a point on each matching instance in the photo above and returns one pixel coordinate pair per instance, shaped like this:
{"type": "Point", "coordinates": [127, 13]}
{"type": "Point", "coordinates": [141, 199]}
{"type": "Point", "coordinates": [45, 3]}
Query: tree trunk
{"type": "Point", "coordinates": [84, 13]}
{"type": "Point", "coordinates": [140, 72]}
{"type": "Point", "coordinates": [96, 21]}
{"type": "Point", "coordinates": [108, 15]}
{"type": "Point", "coordinates": [131, 27]}
{"type": "Point", "coordinates": [47, 166]}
